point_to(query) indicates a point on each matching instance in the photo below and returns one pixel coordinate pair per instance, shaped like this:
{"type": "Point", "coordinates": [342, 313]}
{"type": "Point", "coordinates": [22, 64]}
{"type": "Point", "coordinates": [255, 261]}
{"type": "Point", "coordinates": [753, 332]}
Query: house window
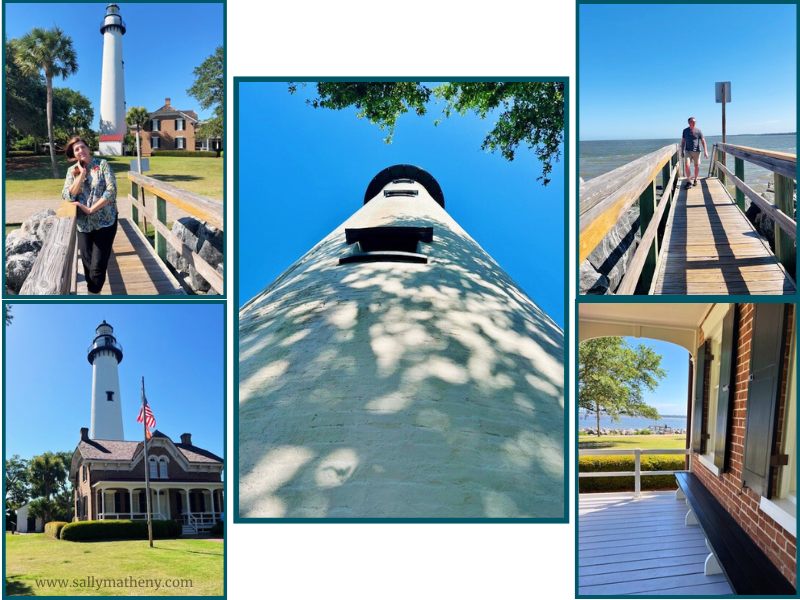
{"type": "Point", "coordinates": [153, 469]}
{"type": "Point", "coordinates": [180, 124]}
{"type": "Point", "coordinates": [110, 396]}
{"type": "Point", "coordinates": [155, 124]}
{"type": "Point", "coordinates": [180, 143]}
{"type": "Point", "coordinates": [155, 142]}
{"type": "Point", "coordinates": [162, 468]}
{"type": "Point", "coordinates": [394, 244]}
{"type": "Point", "coordinates": [84, 470]}
{"type": "Point", "coordinates": [84, 506]}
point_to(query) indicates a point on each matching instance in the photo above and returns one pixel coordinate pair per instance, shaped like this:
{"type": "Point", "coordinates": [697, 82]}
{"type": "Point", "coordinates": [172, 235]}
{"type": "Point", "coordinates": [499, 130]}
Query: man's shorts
{"type": "Point", "coordinates": [693, 156]}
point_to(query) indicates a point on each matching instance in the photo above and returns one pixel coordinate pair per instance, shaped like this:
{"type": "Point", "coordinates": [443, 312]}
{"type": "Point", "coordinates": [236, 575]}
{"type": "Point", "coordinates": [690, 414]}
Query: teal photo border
{"type": "Point", "coordinates": [587, 299]}
{"type": "Point", "coordinates": [225, 139]}
{"type": "Point", "coordinates": [565, 519]}
{"type": "Point", "coordinates": [224, 305]}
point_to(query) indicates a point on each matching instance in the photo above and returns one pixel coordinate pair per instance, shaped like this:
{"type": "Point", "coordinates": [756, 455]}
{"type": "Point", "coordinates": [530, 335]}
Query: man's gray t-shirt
{"type": "Point", "coordinates": [692, 138]}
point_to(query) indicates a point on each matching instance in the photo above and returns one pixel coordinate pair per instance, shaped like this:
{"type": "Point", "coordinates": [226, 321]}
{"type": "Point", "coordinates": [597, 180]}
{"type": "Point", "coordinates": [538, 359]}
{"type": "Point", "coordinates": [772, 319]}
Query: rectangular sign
{"type": "Point", "coordinates": [718, 89]}
{"type": "Point", "coordinates": [145, 165]}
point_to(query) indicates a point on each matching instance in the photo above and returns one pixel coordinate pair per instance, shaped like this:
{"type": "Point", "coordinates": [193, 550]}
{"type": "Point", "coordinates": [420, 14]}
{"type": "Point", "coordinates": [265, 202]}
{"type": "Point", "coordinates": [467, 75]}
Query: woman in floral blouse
{"type": "Point", "coordinates": [92, 188]}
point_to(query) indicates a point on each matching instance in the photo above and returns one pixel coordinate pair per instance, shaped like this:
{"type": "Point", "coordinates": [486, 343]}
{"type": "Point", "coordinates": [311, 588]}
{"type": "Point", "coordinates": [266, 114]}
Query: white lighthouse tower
{"type": "Point", "coordinates": [396, 371]}
{"type": "Point", "coordinates": [112, 89]}
{"type": "Point", "coordinates": [105, 354]}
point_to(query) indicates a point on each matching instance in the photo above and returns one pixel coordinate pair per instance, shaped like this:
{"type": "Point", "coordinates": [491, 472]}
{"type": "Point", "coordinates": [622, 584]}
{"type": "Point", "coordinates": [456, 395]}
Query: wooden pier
{"type": "Point", "coordinates": [709, 247]}
{"type": "Point", "coordinates": [136, 267]}
{"type": "Point", "coordinates": [696, 240]}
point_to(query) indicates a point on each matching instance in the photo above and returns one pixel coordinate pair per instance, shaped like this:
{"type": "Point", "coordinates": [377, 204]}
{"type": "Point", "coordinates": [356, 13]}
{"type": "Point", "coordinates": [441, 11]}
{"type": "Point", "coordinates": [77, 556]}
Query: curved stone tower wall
{"type": "Point", "coordinates": [398, 390]}
{"type": "Point", "coordinates": [106, 421]}
{"type": "Point", "coordinates": [112, 86]}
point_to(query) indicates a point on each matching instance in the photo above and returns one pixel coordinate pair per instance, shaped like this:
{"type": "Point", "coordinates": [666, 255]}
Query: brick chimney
{"type": "Point", "coordinates": [166, 101]}
{"type": "Point", "coordinates": [186, 438]}
{"type": "Point", "coordinates": [84, 434]}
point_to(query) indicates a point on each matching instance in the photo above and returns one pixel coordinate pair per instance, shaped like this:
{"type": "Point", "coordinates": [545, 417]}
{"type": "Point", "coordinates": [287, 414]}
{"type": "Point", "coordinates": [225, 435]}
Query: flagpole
{"type": "Point", "coordinates": [146, 469]}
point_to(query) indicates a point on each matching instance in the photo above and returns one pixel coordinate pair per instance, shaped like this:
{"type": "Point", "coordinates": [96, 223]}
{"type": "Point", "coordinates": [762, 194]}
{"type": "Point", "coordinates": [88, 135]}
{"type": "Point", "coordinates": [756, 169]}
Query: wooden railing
{"type": "Point", "coordinates": [606, 199]}
{"type": "Point", "coordinates": [54, 273]}
{"type": "Point", "coordinates": [205, 209]}
{"type": "Point", "coordinates": [784, 168]}
{"type": "Point", "coordinates": [637, 464]}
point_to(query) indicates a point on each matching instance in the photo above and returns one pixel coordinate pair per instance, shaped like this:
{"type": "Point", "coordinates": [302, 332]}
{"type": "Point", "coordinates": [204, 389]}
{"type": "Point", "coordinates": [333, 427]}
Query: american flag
{"type": "Point", "coordinates": [146, 415]}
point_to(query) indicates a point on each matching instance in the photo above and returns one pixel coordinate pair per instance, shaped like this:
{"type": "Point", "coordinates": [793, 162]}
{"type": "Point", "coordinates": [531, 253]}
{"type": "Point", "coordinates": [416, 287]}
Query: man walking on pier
{"type": "Point", "coordinates": [692, 137]}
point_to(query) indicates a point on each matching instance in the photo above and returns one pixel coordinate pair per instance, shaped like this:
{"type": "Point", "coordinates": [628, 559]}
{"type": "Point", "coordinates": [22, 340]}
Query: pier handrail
{"type": "Point", "coordinates": [784, 169]}
{"type": "Point", "coordinates": [205, 209]}
{"type": "Point", "coordinates": [637, 462]}
{"type": "Point", "coordinates": [54, 272]}
{"type": "Point", "coordinates": [606, 198]}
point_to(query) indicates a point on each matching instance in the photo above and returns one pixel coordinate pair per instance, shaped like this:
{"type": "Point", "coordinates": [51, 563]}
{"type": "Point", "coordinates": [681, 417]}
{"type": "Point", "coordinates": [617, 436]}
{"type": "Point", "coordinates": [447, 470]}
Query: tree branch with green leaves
{"type": "Point", "coordinates": [528, 114]}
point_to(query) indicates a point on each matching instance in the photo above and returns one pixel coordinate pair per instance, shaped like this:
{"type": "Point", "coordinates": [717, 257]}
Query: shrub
{"type": "Point", "coordinates": [610, 464]}
{"type": "Point", "coordinates": [53, 529]}
{"type": "Point", "coordinates": [85, 531]}
{"type": "Point", "coordinates": [200, 153]}
{"type": "Point", "coordinates": [217, 530]}
{"type": "Point", "coordinates": [12, 153]}
{"type": "Point", "coordinates": [643, 432]}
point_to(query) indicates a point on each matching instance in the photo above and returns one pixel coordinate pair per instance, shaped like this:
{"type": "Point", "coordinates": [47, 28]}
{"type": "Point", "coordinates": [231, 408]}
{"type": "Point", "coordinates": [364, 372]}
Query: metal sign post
{"type": "Point", "coordinates": [723, 96]}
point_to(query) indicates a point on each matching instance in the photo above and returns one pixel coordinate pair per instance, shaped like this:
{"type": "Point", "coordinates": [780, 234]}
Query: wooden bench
{"type": "Point", "coordinates": [733, 552]}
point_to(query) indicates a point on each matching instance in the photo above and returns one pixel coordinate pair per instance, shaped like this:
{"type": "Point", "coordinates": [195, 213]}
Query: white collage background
{"type": "Point", "coordinates": [414, 38]}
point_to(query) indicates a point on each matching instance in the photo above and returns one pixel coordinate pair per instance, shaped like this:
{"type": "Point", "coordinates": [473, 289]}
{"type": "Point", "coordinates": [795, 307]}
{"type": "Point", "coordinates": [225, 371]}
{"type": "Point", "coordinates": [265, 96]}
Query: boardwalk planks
{"type": "Point", "coordinates": [710, 247]}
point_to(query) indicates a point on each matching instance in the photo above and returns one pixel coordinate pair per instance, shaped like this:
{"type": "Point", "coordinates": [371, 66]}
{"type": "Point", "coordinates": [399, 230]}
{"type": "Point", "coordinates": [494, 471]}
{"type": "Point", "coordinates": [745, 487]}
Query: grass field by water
{"type": "Point", "coordinates": [31, 177]}
{"type": "Point", "coordinates": [37, 565]}
{"type": "Point", "coordinates": [629, 442]}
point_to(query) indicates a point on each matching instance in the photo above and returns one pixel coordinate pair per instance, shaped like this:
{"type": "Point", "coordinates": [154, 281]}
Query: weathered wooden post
{"type": "Point", "coordinates": [134, 209]}
{"type": "Point", "coordinates": [784, 245]}
{"type": "Point", "coordinates": [739, 172]}
{"type": "Point", "coordinates": [721, 159]}
{"type": "Point", "coordinates": [53, 272]}
{"type": "Point", "coordinates": [647, 208]}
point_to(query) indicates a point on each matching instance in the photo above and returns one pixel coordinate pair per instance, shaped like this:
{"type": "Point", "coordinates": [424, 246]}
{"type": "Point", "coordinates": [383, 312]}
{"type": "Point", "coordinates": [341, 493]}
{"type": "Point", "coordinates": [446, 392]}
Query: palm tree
{"type": "Point", "coordinates": [137, 117]}
{"type": "Point", "coordinates": [51, 51]}
{"type": "Point", "coordinates": [47, 473]}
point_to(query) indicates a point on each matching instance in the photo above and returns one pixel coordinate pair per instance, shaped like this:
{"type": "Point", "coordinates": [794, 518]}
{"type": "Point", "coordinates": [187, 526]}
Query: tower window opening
{"type": "Point", "coordinates": [403, 181]}
{"type": "Point", "coordinates": [390, 193]}
{"type": "Point", "coordinates": [387, 244]}
{"type": "Point", "coordinates": [110, 396]}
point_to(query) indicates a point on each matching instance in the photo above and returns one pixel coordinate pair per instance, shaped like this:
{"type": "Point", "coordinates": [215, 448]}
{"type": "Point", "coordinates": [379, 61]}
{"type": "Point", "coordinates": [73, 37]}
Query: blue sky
{"type": "Point", "coordinates": [163, 44]}
{"type": "Point", "coordinates": [178, 348]}
{"type": "Point", "coordinates": [645, 69]}
{"type": "Point", "coordinates": [671, 395]}
{"type": "Point", "coordinates": [302, 172]}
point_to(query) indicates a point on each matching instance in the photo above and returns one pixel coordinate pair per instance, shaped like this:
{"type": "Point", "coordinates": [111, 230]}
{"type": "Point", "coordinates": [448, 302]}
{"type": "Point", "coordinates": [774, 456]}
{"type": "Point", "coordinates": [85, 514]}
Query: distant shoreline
{"type": "Point", "coordinates": [709, 135]}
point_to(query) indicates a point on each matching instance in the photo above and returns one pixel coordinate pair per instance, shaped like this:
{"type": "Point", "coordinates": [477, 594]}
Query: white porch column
{"type": "Point", "coordinates": [130, 500]}
{"type": "Point", "coordinates": [103, 501]}
{"type": "Point", "coordinates": [213, 507]}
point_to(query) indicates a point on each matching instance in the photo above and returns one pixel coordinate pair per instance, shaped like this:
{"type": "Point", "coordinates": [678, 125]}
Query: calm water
{"type": "Point", "coordinates": [630, 422]}
{"type": "Point", "coordinates": [598, 157]}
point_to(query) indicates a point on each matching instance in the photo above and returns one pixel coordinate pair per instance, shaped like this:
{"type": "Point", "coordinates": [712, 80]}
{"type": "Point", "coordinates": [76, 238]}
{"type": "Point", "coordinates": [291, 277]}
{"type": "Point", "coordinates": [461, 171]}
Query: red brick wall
{"type": "Point", "coordinates": [168, 133]}
{"type": "Point", "coordinates": [778, 544]}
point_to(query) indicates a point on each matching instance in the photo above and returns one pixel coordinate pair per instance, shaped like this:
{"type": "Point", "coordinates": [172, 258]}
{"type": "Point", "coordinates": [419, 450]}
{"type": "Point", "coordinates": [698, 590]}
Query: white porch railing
{"type": "Point", "coordinates": [637, 462]}
{"type": "Point", "coordinates": [132, 516]}
{"type": "Point", "coordinates": [202, 521]}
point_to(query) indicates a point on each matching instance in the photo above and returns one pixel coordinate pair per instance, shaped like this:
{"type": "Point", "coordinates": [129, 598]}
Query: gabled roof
{"type": "Point", "coordinates": [168, 109]}
{"type": "Point", "coordinates": [112, 138]}
{"type": "Point", "coordinates": [115, 450]}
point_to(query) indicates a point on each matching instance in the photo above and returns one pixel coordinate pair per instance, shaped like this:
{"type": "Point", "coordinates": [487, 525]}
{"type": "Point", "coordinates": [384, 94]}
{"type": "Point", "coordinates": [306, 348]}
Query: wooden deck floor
{"type": "Point", "coordinates": [710, 247]}
{"type": "Point", "coordinates": [641, 547]}
{"type": "Point", "coordinates": [134, 269]}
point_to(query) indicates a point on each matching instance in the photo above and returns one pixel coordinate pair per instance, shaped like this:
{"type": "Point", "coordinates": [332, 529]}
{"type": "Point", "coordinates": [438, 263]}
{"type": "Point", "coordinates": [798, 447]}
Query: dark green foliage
{"type": "Point", "coordinates": [610, 464]}
{"type": "Point", "coordinates": [53, 529]}
{"type": "Point", "coordinates": [527, 113]}
{"type": "Point", "coordinates": [87, 531]}
{"type": "Point", "coordinates": [217, 530]}
{"type": "Point", "coordinates": [209, 89]}
{"type": "Point", "coordinates": [20, 153]}
{"type": "Point", "coordinates": [195, 153]}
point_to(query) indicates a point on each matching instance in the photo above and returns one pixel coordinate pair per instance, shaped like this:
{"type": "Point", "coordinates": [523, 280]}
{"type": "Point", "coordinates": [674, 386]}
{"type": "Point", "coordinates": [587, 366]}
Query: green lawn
{"type": "Point", "coordinates": [176, 567]}
{"type": "Point", "coordinates": [629, 442]}
{"type": "Point", "coordinates": [31, 178]}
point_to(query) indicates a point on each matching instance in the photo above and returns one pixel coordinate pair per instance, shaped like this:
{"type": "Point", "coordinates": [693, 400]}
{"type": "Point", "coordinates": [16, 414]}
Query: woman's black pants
{"type": "Point", "coordinates": [95, 247]}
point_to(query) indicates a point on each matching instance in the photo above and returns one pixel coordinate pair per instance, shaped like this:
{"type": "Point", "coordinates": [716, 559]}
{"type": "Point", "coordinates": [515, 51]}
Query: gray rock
{"type": "Point", "coordinates": [207, 241]}
{"type": "Point", "coordinates": [611, 257]}
{"type": "Point", "coordinates": [22, 247]}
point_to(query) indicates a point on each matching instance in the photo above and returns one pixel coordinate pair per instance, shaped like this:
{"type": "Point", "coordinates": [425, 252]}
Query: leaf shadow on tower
{"type": "Point", "coordinates": [394, 390]}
